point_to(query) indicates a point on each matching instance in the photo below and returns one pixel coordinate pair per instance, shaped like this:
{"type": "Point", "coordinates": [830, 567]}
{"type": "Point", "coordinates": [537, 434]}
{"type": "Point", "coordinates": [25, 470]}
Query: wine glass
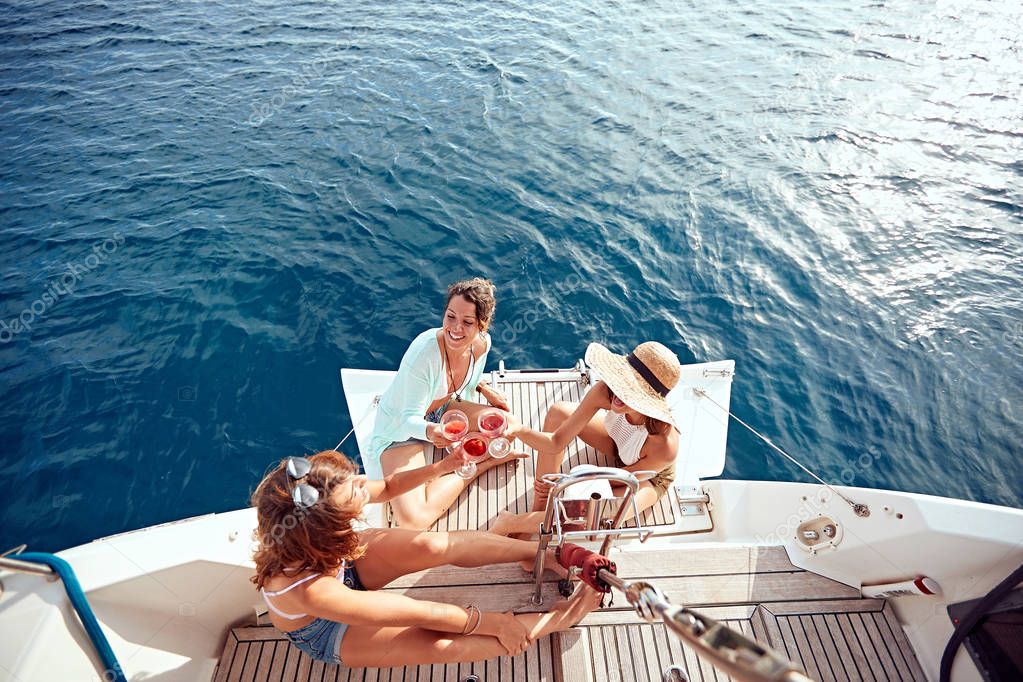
{"type": "Point", "coordinates": [474, 449]}
{"type": "Point", "coordinates": [455, 424]}
{"type": "Point", "coordinates": [492, 423]}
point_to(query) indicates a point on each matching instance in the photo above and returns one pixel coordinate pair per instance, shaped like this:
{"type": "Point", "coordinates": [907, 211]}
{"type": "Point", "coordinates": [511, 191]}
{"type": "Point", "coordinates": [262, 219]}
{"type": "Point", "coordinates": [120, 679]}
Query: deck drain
{"type": "Point", "coordinates": [470, 678]}
{"type": "Point", "coordinates": [674, 673]}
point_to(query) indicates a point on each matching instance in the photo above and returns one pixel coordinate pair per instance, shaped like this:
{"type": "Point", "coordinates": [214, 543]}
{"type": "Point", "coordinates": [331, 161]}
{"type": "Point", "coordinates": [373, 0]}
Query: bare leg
{"type": "Point", "coordinates": [593, 434]}
{"type": "Point", "coordinates": [394, 552]}
{"type": "Point", "coordinates": [420, 508]}
{"type": "Point", "coordinates": [364, 646]}
{"type": "Point", "coordinates": [509, 523]}
{"type": "Point", "coordinates": [646, 497]}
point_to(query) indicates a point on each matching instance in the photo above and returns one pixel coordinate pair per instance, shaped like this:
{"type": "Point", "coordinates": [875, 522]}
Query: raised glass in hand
{"type": "Point", "coordinates": [455, 424]}
{"type": "Point", "coordinates": [493, 423]}
{"type": "Point", "coordinates": [474, 449]}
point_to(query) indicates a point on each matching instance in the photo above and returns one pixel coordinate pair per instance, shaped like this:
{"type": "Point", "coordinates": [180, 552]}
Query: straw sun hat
{"type": "Point", "coordinates": [641, 379]}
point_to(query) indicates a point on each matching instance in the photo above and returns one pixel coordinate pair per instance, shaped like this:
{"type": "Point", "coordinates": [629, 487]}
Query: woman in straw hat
{"type": "Point", "coordinates": [625, 414]}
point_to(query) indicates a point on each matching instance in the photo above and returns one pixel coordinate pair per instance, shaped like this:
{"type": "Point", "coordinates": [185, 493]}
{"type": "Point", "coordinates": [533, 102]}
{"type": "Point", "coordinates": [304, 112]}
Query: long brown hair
{"type": "Point", "coordinates": [318, 538]}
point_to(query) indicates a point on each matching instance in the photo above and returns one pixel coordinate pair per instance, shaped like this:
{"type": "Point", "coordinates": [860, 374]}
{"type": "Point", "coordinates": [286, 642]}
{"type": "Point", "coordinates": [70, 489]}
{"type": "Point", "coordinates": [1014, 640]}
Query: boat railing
{"type": "Point", "coordinates": [53, 568]}
{"type": "Point", "coordinates": [9, 563]}
{"type": "Point", "coordinates": [552, 527]}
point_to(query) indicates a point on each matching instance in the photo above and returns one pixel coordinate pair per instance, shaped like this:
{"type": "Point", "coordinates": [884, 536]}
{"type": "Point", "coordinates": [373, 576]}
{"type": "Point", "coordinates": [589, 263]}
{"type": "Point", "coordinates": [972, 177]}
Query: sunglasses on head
{"type": "Point", "coordinates": [303, 494]}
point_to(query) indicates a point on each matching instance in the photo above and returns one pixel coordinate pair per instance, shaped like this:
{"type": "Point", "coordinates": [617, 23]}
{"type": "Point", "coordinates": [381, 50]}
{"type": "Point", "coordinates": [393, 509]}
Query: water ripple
{"type": "Point", "coordinates": [829, 195]}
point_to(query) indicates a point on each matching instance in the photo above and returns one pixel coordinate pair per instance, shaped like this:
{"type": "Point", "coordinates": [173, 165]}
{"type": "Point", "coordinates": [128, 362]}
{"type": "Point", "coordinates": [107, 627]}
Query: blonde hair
{"type": "Point", "coordinates": [479, 292]}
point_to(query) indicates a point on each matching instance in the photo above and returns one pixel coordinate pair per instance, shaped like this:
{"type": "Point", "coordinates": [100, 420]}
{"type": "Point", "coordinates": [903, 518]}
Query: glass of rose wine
{"type": "Point", "coordinates": [455, 424]}
{"type": "Point", "coordinates": [492, 423]}
{"type": "Point", "coordinates": [474, 449]}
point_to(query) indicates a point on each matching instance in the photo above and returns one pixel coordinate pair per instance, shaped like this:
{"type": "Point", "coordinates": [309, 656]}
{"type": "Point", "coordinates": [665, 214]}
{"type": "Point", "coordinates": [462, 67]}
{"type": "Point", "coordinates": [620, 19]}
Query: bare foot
{"type": "Point", "coordinates": [568, 612]}
{"type": "Point", "coordinates": [501, 526]}
{"type": "Point", "coordinates": [550, 563]}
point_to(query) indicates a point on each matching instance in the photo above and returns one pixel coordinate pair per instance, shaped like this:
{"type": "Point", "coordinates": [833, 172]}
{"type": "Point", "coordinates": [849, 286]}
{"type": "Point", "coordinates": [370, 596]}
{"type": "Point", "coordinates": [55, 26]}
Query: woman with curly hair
{"type": "Point", "coordinates": [320, 576]}
{"type": "Point", "coordinates": [442, 367]}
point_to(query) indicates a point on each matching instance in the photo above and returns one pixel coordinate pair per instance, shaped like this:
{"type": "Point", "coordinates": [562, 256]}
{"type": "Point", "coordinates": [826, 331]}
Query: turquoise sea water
{"type": "Point", "coordinates": [208, 208]}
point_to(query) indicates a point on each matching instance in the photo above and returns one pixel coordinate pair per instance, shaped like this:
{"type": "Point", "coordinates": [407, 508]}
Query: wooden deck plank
{"type": "Point", "coordinates": [506, 668]}
{"type": "Point", "coordinates": [517, 484]}
{"type": "Point", "coordinates": [816, 647]}
{"type": "Point", "coordinates": [643, 654]}
{"type": "Point", "coordinates": [545, 654]}
{"type": "Point", "coordinates": [881, 647]}
{"type": "Point", "coordinates": [227, 658]}
{"type": "Point", "coordinates": [275, 669]}
{"type": "Point", "coordinates": [678, 654]}
{"type": "Point", "coordinates": [252, 652]}
{"type": "Point", "coordinates": [895, 647]}
{"type": "Point", "coordinates": [886, 619]}
{"type": "Point", "coordinates": [658, 564]}
{"type": "Point", "coordinates": [842, 661]}
{"type": "Point", "coordinates": [844, 605]}
{"type": "Point", "coordinates": [709, 590]}
{"type": "Point", "coordinates": [627, 670]}
{"type": "Point", "coordinates": [648, 643]}
{"type": "Point", "coordinates": [659, 634]}
{"type": "Point", "coordinates": [572, 655]}
{"type": "Point", "coordinates": [305, 664]}
{"type": "Point", "coordinates": [864, 665]}
{"type": "Point", "coordinates": [795, 649]}
{"type": "Point", "coordinates": [829, 647]}
{"type": "Point", "coordinates": [707, 670]}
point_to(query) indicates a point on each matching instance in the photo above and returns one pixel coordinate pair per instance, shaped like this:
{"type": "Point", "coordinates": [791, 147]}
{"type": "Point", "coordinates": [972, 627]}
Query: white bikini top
{"type": "Point", "coordinates": [293, 616]}
{"type": "Point", "coordinates": [628, 437]}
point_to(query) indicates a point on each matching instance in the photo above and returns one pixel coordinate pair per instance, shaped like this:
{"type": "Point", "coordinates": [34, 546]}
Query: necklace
{"type": "Point", "coordinates": [457, 395]}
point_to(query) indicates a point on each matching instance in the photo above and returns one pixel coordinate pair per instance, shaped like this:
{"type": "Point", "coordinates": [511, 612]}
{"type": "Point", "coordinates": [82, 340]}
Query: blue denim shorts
{"type": "Point", "coordinates": [321, 639]}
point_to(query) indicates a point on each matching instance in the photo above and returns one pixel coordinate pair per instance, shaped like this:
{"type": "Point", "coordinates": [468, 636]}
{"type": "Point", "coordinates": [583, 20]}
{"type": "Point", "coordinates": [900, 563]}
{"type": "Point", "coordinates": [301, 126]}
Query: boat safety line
{"type": "Point", "coordinates": [859, 509]}
{"type": "Point", "coordinates": [76, 595]}
{"type": "Point", "coordinates": [376, 401]}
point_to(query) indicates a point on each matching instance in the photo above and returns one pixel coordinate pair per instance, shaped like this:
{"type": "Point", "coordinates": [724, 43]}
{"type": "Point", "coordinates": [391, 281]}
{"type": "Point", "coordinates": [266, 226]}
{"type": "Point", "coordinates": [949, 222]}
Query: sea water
{"type": "Point", "coordinates": [209, 208]}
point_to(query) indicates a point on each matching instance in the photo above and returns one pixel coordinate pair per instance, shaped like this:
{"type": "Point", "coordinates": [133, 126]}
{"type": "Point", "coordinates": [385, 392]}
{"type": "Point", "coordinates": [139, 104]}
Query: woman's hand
{"type": "Point", "coordinates": [435, 434]}
{"type": "Point", "coordinates": [513, 426]}
{"type": "Point", "coordinates": [512, 634]}
{"type": "Point", "coordinates": [493, 396]}
{"type": "Point", "coordinates": [453, 459]}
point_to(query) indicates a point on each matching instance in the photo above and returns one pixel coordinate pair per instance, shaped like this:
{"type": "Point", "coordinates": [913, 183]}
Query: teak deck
{"type": "Point", "coordinates": [510, 487]}
{"type": "Point", "coordinates": [818, 623]}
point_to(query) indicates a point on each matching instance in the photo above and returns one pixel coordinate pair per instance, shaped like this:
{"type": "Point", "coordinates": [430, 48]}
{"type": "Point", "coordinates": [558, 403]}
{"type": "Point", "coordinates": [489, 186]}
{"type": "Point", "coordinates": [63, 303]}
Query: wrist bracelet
{"type": "Point", "coordinates": [479, 622]}
{"type": "Point", "coordinates": [468, 619]}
